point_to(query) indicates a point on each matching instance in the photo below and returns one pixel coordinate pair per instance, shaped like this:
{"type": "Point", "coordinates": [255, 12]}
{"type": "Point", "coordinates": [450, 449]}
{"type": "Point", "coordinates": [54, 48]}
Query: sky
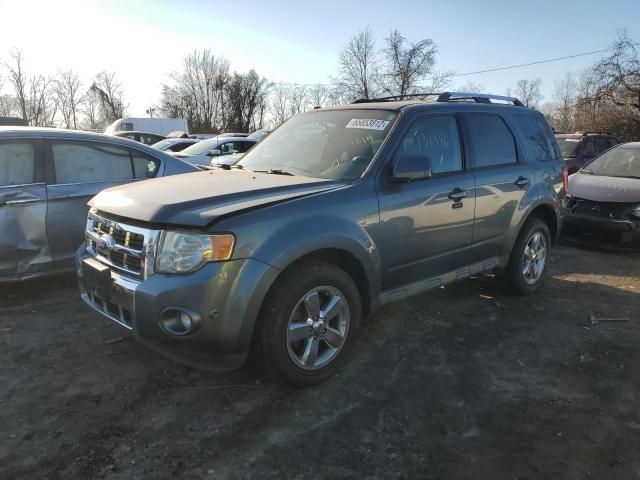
{"type": "Point", "coordinates": [143, 41]}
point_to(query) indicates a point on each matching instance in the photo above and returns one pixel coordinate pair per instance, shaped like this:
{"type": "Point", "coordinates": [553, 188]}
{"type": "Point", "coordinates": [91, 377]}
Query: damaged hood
{"type": "Point", "coordinates": [604, 189]}
{"type": "Point", "coordinates": [197, 199]}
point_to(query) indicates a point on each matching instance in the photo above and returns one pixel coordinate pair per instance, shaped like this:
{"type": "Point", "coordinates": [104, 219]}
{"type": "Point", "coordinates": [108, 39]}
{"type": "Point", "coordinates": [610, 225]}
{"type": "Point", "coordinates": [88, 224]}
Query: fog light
{"type": "Point", "coordinates": [179, 321]}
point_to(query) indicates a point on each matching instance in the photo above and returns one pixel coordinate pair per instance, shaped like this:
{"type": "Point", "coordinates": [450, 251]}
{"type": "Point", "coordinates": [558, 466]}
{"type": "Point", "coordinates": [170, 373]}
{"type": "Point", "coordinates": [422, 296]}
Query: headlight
{"type": "Point", "coordinates": [186, 252]}
{"type": "Point", "coordinates": [635, 211]}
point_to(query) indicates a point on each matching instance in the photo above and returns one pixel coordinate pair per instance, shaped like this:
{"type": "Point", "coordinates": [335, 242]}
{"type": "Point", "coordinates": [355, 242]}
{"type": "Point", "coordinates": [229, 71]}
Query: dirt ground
{"type": "Point", "coordinates": [464, 382]}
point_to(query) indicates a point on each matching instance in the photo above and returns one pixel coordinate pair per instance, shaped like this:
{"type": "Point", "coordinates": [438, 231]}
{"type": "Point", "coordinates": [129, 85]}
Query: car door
{"type": "Point", "coordinates": [24, 247]}
{"type": "Point", "coordinates": [426, 225]}
{"type": "Point", "coordinates": [502, 180]}
{"type": "Point", "coordinates": [78, 171]}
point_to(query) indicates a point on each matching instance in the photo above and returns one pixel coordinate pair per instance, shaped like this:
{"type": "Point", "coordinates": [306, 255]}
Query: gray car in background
{"type": "Point", "coordinates": [46, 178]}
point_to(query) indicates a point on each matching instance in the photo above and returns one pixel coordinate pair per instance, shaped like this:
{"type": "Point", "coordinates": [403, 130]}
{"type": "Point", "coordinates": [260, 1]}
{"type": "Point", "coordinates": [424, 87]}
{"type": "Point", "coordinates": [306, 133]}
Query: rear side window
{"type": "Point", "coordinates": [539, 141]}
{"type": "Point", "coordinates": [144, 165]}
{"type": "Point", "coordinates": [435, 139]}
{"type": "Point", "coordinates": [17, 163]}
{"type": "Point", "coordinates": [491, 140]}
{"type": "Point", "coordinates": [612, 141]}
{"type": "Point", "coordinates": [80, 162]}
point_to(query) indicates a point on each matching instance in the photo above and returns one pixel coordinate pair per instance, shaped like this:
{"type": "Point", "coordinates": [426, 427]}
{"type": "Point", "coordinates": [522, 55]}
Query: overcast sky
{"type": "Point", "coordinates": [296, 41]}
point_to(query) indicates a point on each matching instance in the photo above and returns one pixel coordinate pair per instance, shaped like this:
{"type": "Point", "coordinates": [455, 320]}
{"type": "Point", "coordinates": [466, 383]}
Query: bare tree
{"type": "Point", "coordinates": [528, 92]}
{"type": "Point", "coordinates": [406, 66]}
{"type": "Point", "coordinates": [111, 96]}
{"type": "Point", "coordinates": [42, 104]}
{"type": "Point", "coordinates": [471, 87]}
{"type": "Point", "coordinates": [18, 79]}
{"type": "Point", "coordinates": [67, 90]}
{"type": "Point", "coordinates": [563, 104]}
{"type": "Point", "coordinates": [358, 66]}
{"type": "Point", "coordinates": [90, 108]}
{"type": "Point", "coordinates": [246, 96]}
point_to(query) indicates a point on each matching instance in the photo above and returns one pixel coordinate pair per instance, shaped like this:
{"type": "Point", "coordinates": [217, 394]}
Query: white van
{"type": "Point", "coordinates": [160, 126]}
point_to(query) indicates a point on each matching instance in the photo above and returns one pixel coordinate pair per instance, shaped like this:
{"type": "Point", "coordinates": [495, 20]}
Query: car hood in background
{"type": "Point", "coordinates": [197, 199]}
{"type": "Point", "coordinates": [604, 189]}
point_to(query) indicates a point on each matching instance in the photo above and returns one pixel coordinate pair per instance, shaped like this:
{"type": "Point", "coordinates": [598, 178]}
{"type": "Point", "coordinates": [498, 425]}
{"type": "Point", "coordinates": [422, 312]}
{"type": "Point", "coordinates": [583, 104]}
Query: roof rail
{"type": "Point", "coordinates": [477, 97]}
{"type": "Point", "coordinates": [595, 133]}
{"type": "Point", "coordinates": [395, 97]}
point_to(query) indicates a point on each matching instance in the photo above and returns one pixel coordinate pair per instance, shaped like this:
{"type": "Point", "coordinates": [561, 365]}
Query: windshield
{"type": "Point", "coordinates": [617, 162]}
{"type": "Point", "coordinates": [201, 148]}
{"type": "Point", "coordinates": [336, 144]}
{"type": "Point", "coordinates": [162, 144]}
{"type": "Point", "coordinates": [568, 146]}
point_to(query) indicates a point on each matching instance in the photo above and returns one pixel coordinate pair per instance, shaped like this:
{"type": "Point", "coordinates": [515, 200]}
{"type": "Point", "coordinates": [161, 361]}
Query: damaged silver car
{"type": "Point", "coordinates": [47, 177]}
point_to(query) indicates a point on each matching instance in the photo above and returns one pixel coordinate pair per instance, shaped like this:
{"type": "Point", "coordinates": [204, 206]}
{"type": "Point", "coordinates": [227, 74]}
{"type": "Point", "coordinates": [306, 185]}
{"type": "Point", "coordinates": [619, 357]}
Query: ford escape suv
{"type": "Point", "coordinates": [335, 213]}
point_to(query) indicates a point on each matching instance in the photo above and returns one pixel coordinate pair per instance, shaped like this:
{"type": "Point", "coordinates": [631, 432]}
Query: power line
{"type": "Point", "coordinates": [497, 69]}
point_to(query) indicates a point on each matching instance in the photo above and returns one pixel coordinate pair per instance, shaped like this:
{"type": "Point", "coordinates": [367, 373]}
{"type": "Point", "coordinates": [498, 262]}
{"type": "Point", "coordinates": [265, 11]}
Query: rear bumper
{"type": "Point", "coordinates": [226, 296]}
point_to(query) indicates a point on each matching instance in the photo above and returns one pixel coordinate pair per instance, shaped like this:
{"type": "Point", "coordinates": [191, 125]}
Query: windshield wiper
{"type": "Point", "coordinates": [275, 171]}
{"type": "Point", "coordinates": [588, 172]}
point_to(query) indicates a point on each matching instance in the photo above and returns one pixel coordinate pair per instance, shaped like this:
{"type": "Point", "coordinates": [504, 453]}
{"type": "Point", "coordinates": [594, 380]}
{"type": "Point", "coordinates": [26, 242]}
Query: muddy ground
{"type": "Point", "coordinates": [464, 382]}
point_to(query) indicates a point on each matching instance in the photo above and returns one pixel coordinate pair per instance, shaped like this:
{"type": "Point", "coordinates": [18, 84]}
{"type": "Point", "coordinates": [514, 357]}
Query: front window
{"type": "Point", "coordinates": [336, 144]}
{"type": "Point", "coordinates": [568, 146]}
{"type": "Point", "coordinates": [617, 162]}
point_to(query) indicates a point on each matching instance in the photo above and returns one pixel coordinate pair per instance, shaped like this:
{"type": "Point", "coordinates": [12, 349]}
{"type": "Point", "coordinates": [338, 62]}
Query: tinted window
{"type": "Point", "coordinates": [612, 141]}
{"type": "Point", "coordinates": [601, 145]}
{"type": "Point", "coordinates": [230, 147]}
{"type": "Point", "coordinates": [491, 141]}
{"type": "Point", "coordinates": [17, 163]}
{"type": "Point", "coordinates": [435, 139]}
{"type": "Point", "coordinates": [126, 126]}
{"type": "Point", "coordinates": [244, 146]}
{"type": "Point", "coordinates": [538, 137]}
{"type": "Point", "coordinates": [588, 148]}
{"type": "Point", "coordinates": [144, 165]}
{"type": "Point", "coordinates": [90, 162]}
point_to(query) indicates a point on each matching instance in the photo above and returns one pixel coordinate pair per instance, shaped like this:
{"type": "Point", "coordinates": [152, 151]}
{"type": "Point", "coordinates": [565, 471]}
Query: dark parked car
{"type": "Point", "coordinates": [335, 213]}
{"type": "Point", "coordinates": [604, 199]}
{"type": "Point", "coordinates": [13, 122]}
{"type": "Point", "coordinates": [46, 178]}
{"type": "Point", "coordinates": [579, 149]}
{"type": "Point", "coordinates": [142, 137]}
{"type": "Point", "coordinates": [174, 144]}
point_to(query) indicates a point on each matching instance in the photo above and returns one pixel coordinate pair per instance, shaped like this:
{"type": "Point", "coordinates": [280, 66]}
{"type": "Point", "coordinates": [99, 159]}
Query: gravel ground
{"type": "Point", "coordinates": [465, 382]}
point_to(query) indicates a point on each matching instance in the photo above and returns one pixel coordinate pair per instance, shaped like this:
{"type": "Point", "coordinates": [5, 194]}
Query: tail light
{"type": "Point", "coordinates": [565, 180]}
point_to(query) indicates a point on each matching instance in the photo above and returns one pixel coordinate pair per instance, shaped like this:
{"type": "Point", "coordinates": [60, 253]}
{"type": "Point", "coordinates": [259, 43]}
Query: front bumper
{"type": "Point", "coordinates": [603, 231]}
{"type": "Point", "coordinates": [226, 295]}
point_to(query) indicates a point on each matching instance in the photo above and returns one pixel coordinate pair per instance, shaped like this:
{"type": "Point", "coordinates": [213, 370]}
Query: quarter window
{"type": "Point", "coordinates": [601, 145]}
{"type": "Point", "coordinates": [90, 162]}
{"type": "Point", "coordinates": [436, 140]}
{"type": "Point", "coordinates": [17, 163]}
{"type": "Point", "coordinates": [144, 166]}
{"type": "Point", "coordinates": [491, 141]}
{"type": "Point", "coordinates": [539, 140]}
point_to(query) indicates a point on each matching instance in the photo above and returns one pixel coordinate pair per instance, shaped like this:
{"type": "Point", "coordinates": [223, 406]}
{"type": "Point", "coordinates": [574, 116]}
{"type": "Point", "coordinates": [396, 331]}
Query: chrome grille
{"type": "Point", "coordinates": [133, 249]}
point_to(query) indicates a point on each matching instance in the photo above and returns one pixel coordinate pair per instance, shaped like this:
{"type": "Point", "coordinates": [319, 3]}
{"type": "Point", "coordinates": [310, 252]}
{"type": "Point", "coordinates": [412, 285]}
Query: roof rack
{"type": "Point", "coordinates": [477, 97]}
{"type": "Point", "coordinates": [594, 133]}
{"type": "Point", "coordinates": [447, 97]}
{"type": "Point", "coordinates": [395, 97]}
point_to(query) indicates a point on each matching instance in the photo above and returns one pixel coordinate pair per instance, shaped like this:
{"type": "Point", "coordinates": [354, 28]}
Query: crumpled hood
{"type": "Point", "coordinates": [604, 189]}
{"type": "Point", "coordinates": [197, 199]}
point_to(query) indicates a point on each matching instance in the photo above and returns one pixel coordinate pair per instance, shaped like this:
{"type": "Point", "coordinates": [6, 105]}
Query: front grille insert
{"type": "Point", "coordinates": [604, 210]}
{"type": "Point", "coordinates": [126, 253]}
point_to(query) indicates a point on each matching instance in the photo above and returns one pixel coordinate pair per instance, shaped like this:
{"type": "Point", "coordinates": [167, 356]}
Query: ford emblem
{"type": "Point", "coordinates": [105, 243]}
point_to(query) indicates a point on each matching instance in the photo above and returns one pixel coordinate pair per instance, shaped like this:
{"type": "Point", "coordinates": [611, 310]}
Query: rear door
{"type": "Point", "coordinates": [502, 180]}
{"type": "Point", "coordinates": [78, 171]}
{"type": "Point", "coordinates": [24, 247]}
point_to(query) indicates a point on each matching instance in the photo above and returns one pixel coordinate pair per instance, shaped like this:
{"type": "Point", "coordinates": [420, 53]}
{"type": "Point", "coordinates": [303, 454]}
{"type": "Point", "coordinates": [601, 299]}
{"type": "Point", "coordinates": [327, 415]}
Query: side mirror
{"type": "Point", "coordinates": [410, 168]}
{"type": "Point", "coordinates": [215, 152]}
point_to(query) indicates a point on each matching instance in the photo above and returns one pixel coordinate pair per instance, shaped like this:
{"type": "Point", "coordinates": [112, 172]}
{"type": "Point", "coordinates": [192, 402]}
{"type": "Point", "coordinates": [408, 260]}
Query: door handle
{"type": "Point", "coordinates": [457, 194]}
{"type": "Point", "coordinates": [522, 182]}
{"type": "Point", "coordinates": [22, 202]}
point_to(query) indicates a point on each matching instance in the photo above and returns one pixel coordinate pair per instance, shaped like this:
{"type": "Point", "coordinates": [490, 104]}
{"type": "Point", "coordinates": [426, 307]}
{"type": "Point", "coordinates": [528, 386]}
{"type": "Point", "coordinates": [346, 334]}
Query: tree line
{"type": "Point", "coordinates": [213, 98]}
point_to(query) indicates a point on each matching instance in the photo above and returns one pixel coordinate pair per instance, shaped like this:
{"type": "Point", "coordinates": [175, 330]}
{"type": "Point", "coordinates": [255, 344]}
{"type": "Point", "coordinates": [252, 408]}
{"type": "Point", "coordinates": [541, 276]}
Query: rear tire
{"type": "Point", "coordinates": [529, 259]}
{"type": "Point", "coordinates": [307, 323]}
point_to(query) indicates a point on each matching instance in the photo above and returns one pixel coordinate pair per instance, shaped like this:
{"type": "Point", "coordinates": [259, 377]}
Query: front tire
{"type": "Point", "coordinates": [307, 323]}
{"type": "Point", "coordinates": [529, 259]}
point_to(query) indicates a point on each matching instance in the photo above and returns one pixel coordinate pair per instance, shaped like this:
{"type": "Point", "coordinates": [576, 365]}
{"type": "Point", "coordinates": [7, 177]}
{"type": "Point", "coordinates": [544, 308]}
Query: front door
{"type": "Point", "coordinates": [426, 225]}
{"type": "Point", "coordinates": [24, 248]}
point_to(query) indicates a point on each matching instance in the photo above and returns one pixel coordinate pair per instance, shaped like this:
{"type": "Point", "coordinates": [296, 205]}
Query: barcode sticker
{"type": "Point", "coordinates": [367, 123]}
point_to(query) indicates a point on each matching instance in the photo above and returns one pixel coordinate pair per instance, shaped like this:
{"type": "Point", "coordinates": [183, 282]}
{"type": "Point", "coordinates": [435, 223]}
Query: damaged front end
{"type": "Point", "coordinates": [612, 224]}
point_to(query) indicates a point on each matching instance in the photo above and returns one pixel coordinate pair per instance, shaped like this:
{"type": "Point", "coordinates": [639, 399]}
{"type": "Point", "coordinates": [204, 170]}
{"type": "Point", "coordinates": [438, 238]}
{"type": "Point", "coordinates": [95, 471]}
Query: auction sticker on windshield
{"type": "Point", "coordinates": [368, 123]}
